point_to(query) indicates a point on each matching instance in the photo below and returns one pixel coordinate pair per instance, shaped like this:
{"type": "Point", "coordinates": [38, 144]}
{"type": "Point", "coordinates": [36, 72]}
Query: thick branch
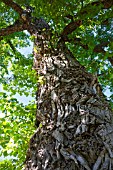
{"type": "Point", "coordinates": [105, 4]}
{"type": "Point", "coordinates": [13, 5]}
{"type": "Point", "coordinates": [16, 27]}
{"type": "Point", "coordinates": [72, 26]}
{"type": "Point", "coordinates": [21, 24]}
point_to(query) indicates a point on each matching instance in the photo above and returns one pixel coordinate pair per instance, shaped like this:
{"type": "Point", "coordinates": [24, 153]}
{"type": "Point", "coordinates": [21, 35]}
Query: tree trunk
{"type": "Point", "coordinates": [75, 122]}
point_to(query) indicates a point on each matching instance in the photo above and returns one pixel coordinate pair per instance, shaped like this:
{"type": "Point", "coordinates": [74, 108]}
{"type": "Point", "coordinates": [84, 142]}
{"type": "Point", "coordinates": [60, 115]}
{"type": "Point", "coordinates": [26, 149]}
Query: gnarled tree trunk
{"type": "Point", "coordinates": [76, 123]}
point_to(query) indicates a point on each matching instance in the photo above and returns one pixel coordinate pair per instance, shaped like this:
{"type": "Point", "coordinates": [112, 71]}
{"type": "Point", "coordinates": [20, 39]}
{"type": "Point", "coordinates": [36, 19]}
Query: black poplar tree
{"type": "Point", "coordinates": [73, 118]}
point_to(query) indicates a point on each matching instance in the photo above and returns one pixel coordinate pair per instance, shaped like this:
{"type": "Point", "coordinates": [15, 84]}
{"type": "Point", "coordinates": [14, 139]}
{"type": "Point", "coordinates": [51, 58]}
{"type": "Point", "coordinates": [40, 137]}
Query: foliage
{"type": "Point", "coordinates": [16, 127]}
{"type": "Point", "coordinates": [17, 119]}
{"type": "Point", "coordinates": [17, 75]}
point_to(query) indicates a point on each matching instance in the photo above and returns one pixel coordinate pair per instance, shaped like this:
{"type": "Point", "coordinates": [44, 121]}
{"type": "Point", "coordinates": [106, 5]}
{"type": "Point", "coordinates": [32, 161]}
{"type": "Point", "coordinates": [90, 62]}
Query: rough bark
{"type": "Point", "coordinates": [76, 123]}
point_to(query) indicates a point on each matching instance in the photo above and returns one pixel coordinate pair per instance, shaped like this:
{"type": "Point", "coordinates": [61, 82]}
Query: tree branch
{"type": "Point", "coordinates": [111, 60]}
{"type": "Point", "coordinates": [21, 24]}
{"type": "Point", "coordinates": [16, 27]}
{"type": "Point", "coordinates": [97, 49]}
{"type": "Point", "coordinates": [72, 26]}
{"type": "Point", "coordinates": [13, 5]}
{"type": "Point", "coordinates": [11, 45]}
{"type": "Point", "coordinates": [104, 4]}
{"type": "Point", "coordinates": [100, 47]}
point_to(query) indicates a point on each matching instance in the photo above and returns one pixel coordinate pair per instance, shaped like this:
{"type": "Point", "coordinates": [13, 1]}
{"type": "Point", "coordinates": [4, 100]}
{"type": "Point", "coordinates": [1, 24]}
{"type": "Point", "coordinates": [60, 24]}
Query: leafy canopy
{"type": "Point", "coordinates": [91, 44]}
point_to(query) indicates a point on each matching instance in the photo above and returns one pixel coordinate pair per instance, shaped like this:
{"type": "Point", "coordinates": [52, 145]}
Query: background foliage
{"type": "Point", "coordinates": [17, 75]}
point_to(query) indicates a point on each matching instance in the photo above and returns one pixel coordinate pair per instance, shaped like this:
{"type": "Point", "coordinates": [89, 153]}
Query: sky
{"type": "Point", "coordinates": [22, 99]}
{"type": "Point", "coordinates": [25, 51]}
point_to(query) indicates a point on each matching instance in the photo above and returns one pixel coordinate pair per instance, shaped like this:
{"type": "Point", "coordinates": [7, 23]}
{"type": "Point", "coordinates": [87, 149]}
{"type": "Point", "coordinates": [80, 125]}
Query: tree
{"type": "Point", "coordinates": [72, 52]}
